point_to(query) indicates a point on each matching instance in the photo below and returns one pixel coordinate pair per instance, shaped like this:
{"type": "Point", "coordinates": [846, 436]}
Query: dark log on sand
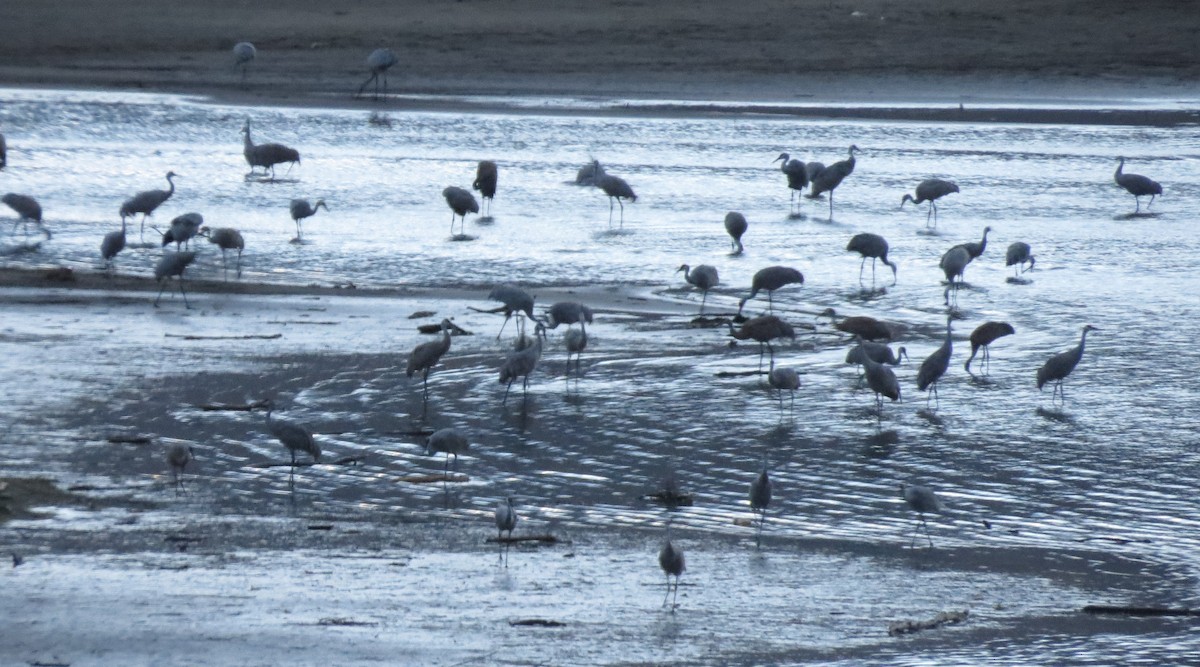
{"type": "Point", "coordinates": [455, 477]}
{"type": "Point", "coordinates": [130, 439]}
{"type": "Point", "coordinates": [1124, 610]}
{"type": "Point", "coordinates": [541, 539]}
{"type": "Point", "coordinates": [245, 337]}
{"type": "Point", "coordinates": [537, 622]}
{"type": "Point", "coordinates": [670, 499]}
{"type": "Point", "coordinates": [455, 330]}
{"type": "Point", "coordinates": [897, 628]}
{"type": "Point", "coordinates": [235, 407]}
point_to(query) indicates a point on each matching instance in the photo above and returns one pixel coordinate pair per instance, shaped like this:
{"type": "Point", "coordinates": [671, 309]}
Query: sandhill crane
{"type": "Point", "coordinates": [1057, 368]}
{"type": "Point", "coordinates": [266, 155]}
{"type": "Point", "coordinates": [877, 352]}
{"type": "Point", "coordinates": [485, 183]}
{"type": "Point", "coordinates": [589, 173]}
{"type": "Point", "coordinates": [113, 243]}
{"type": "Point", "coordinates": [425, 355]}
{"type": "Point", "coordinates": [226, 238]}
{"type": "Point", "coordinates": [975, 249]}
{"type": "Point", "coordinates": [295, 437]}
{"type": "Point", "coordinates": [1018, 254]}
{"type": "Point", "coordinates": [735, 226]}
{"type": "Point", "coordinates": [616, 188]}
{"type": "Point", "coordinates": [183, 228]}
{"type": "Point", "coordinates": [378, 63]}
{"type": "Point", "coordinates": [506, 519]}
{"type": "Point", "coordinates": [873, 246]}
{"type": "Point", "coordinates": [28, 209]}
{"type": "Point", "coordinates": [797, 175]}
{"type": "Point", "coordinates": [881, 380]}
{"type": "Point", "coordinates": [568, 313]}
{"type": "Point", "coordinates": [867, 328]}
{"type": "Point", "coordinates": [146, 201]}
{"type": "Point", "coordinates": [813, 169]}
{"type": "Point", "coordinates": [576, 341]}
{"type": "Point", "coordinates": [671, 560]}
{"type": "Point", "coordinates": [243, 53]}
{"type": "Point", "coordinates": [953, 263]}
{"type": "Point", "coordinates": [461, 202]}
{"type": "Point", "coordinates": [763, 330]}
{"type": "Point", "coordinates": [172, 264]}
{"type": "Point", "coordinates": [521, 363]}
{"type": "Point", "coordinates": [771, 279]}
{"type": "Point", "coordinates": [829, 178]}
{"type": "Point", "coordinates": [760, 499]}
{"type": "Point", "coordinates": [301, 209]}
{"type": "Point", "coordinates": [515, 300]}
{"type": "Point", "coordinates": [930, 190]}
{"type": "Point", "coordinates": [784, 379]}
{"type": "Point", "coordinates": [983, 336]}
{"type": "Point", "coordinates": [1137, 185]}
{"type": "Point", "coordinates": [703, 277]}
{"type": "Point", "coordinates": [921, 500]}
{"type": "Point", "coordinates": [178, 456]}
{"type": "Point", "coordinates": [448, 441]}
{"type": "Point", "coordinates": [935, 365]}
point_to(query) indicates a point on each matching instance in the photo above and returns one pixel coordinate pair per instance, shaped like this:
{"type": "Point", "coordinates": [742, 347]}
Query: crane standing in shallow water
{"type": "Point", "coordinates": [797, 175]}
{"type": "Point", "coordinates": [763, 330]}
{"type": "Point", "coordinates": [784, 379]}
{"type": "Point", "coordinates": [172, 264]}
{"type": "Point", "coordinates": [1058, 367]}
{"type": "Point", "coordinates": [983, 336]}
{"type": "Point", "coordinates": [378, 62]}
{"type": "Point", "coordinates": [506, 519]}
{"type": "Point", "coordinates": [243, 53]}
{"type": "Point", "coordinates": [671, 560]}
{"type": "Point", "coordinates": [113, 243]}
{"type": "Point", "coordinates": [735, 226]}
{"type": "Point", "coordinates": [295, 437]}
{"type": "Point", "coordinates": [226, 238]}
{"type": "Point", "coordinates": [485, 183]}
{"type": "Point", "coordinates": [1018, 254]}
{"type": "Point", "coordinates": [760, 499]}
{"type": "Point", "coordinates": [449, 441]}
{"type": "Point", "coordinates": [301, 209]}
{"type": "Point", "coordinates": [771, 279]}
{"type": "Point", "coordinates": [521, 363]}
{"type": "Point", "coordinates": [930, 190]}
{"type": "Point", "coordinates": [921, 500]}
{"type": "Point", "coordinates": [29, 211]}
{"type": "Point", "coordinates": [829, 178]}
{"type": "Point", "coordinates": [935, 366]}
{"type": "Point", "coordinates": [461, 202]}
{"type": "Point", "coordinates": [703, 277]}
{"type": "Point", "coordinates": [178, 456]}
{"type": "Point", "coordinates": [616, 188]}
{"type": "Point", "coordinates": [875, 247]}
{"type": "Point", "coordinates": [266, 155]}
{"type": "Point", "coordinates": [1137, 185]}
{"type": "Point", "coordinates": [425, 356]}
{"type": "Point", "coordinates": [146, 201]}
{"type": "Point", "coordinates": [515, 300]}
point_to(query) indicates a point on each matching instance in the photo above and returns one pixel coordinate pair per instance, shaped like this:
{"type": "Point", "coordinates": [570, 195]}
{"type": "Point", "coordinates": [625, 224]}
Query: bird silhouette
{"type": "Point", "coordinates": [28, 209]}
{"type": "Point", "coordinates": [461, 202]}
{"type": "Point", "coordinates": [930, 190]}
{"type": "Point", "coordinates": [243, 53]}
{"type": "Point", "coordinates": [295, 437]}
{"type": "Point", "coordinates": [735, 226]}
{"type": "Point", "coordinates": [568, 313]}
{"type": "Point", "coordinates": [172, 264]}
{"type": "Point", "coordinates": [424, 356]}
{"type": "Point", "coordinates": [226, 238]}
{"type": "Point", "coordinates": [113, 243]}
{"type": "Point", "coordinates": [771, 279]}
{"type": "Point", "coordinates": [763, 330]}
{"type": "Point", "coordinates": [183, 228]}
{"type": "Point", "coordinates": [146, 201]}
{"type": "Point", "coordinates": [921, 500]}
{"type": "Point", "coordinates": [797, 175]}
{"type": "Point", "coordinates": [515, 300]}
{"type": "Point", "coordinates": [976, 248]}
{"type": "Point", "coordinates": [881, 380]}
{"type": "Point", "coordinates": [301, 209]}
{"type": "Point", "coordinates": [829, 178]}
{"type": "Point", "coordinates": [703, 277]}
{"type": "Point", "coordinates": [448, 441]}
{"type": "Point", "coordinates": [1018, 254]}
{"type": "Point", "coordinates": [576, 341]}
{"type": "Point", "coordinates": [589, 173]}
{"type": "Point", "coordinates": [873, 246]}
{"type": "Point", "coordinates": [617, 189]}
{"type": "Point", "coordinates": [1058, 367]}
{"type": "Point", "coordinates": [863, 326]}
{"type": "Point", "coordinates": [877, 352]}
{"type": "Point", "coordinates": [953, 264]}
{"type": "Point", "coordinates": [521, 363]}
{"type": "Point", "coordinates": [266, 155]}
{"type": "Point", "coordinates": [760, 499]}
{"type": "Point", "coordinates": [178, 456]}
{"type": "Point", "coordinates": [485, 183]}
{"type": "Point", "coordinates": [1137, 185]}
{"type": "Point", "coordinates": [671, 560]}
{"type": "Point", "coordinates": [378, 63]}
{"type": "Point", "coordinates": [784, 379]}
{"type": "Point", "coordinates": [983, 336]}
{"type": "Point", "coordinates": [935, 365]}
{"type": "Point", "coordinates": [506, 520]}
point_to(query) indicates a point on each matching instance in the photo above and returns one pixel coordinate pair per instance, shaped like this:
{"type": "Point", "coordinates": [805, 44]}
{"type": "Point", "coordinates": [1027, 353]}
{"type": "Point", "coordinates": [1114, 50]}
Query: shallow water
{"type": "Point", "coordinates": [1111, 473]}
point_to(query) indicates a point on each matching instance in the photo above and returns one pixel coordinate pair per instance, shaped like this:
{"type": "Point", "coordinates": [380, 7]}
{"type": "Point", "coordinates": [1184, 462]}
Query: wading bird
{"type": "Point", "coordinates": [295, 437]}
{"type": "Point", "coordinates": [671, 560]}
{"type": "Point", "coordinates": [976, 248]}
{"type": "Point", "coordinates": [450, 442]}
{"type": "Point", "coordinates": [424, 356]}
{"type": "Point", "coordinates": [829, 178]}
{"type": "Point", "coordinates": [301, 209]}
{"type": "Point", "coordinates": [1137, 185]}
{"type": "Point", "coordinates": [113, 243]}
{"type": "Point", "coordinates": [771, 279]}
{"type": "Point", "coordinates": [378, 63]}
{"type": "Point", "coordinates": [616, 188]}
{"type": "Point", "coordinates": [266, 155]}
{"type": "Point", "coordinates": [877, 352]}
{"type": "Point", "coordinates": [703, 277]}
{"type": "Point", "coordinates": [146, 201]}
{"type": "Point", "coordinates": [521, 363]}
{"type": "Point", "coordinates": [178, 456]}
{"type": "Point", "coordinates": [568, 313]}
{"type": "Point", "coordinates": [784, 379]}
{"type": "Point", "coordinates": [461, 202]}
{"type": "Point", "coordinates": [183, 228]}
{"type": "Point", "coordinates": [576, 341]}
{"type": "Point", "coordinates": [506, 520]}
{"type": "Point", "coordinates": [760, 499]}
{"type": "Point", "coordinates": [983, 336]}
{"type": "Point", "coordinates": [763, 330]}
{"type": "Point", "coordinates": [871, 246]}
{"type": "Point", "coordinates": [226, 238]}
{"type": "Point", "coordinates": [735, 226]}
{"type": "Point", "coordinates": [1018, 254]}
{"type": "Point", "coordinates": [934, 366]}
{"type": "Point", "coordinates": [867, 328]}
{"type": "Point", "coordinates": [485, 183]}
{"type": "Point", "coordinates": [243, 53]}
{"type": "Point", "coordinates": [953, 263]}
{"type": "Point", "coordinates": [797, 175]}
{"type": "Point", "coordinates": [1057, 368]}
{"type": "Point", "coordinates": [921, 500]}
{"type": "Point", "coordinates": [930, 190]}
{"type": "Point", "coordinates": [28, 209]}
{"type": "Point", "coordinates": [515, 300]}
{"type": "Point", "coordinates": [172, 264]}
{"type": "Point", "coordinates": [881, 380]}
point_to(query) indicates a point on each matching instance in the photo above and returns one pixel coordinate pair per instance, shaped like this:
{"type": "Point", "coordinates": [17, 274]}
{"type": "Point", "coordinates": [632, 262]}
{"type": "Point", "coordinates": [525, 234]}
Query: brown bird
{"type": "Point", "coordinates": [763, 329]}
{"type": "Point", "coordinates": [771, 279]}
{"type": "Point", "coordinates": [485, 183]}
{"type": "Point", "coordinates": [671, 560]}
{"type": "Point", "coordinates": [867, 328]}
{"type": "Point", "coordinates": [426, 355]}
{"type": "Point", "coordinates": [266, 155]}
{"type": "Point", "coordinates": [983, 336]}
{"type": "Point", "coordinates": [736, 225]}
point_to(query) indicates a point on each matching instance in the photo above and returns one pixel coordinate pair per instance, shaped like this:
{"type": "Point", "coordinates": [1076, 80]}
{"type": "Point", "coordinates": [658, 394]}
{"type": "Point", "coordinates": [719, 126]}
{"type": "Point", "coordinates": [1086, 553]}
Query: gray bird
{"type": "Point", "coordinates": [576, 341]}
{"type": "Point", "coordinates": [589, 173]}
{"type": "Point", "coordinates": [930, 190]}
{"type": "Point", "coordinates": [829, 178]}
{"type": "Point", "coordinates": [226, 238]}
{"type": "Point", "coordinates": [616, 188]}
{"type": "Point", "coordinates": [424, 356]}
{"type": "Point", "coordinates": [485, 183]}
{"type": "Point", "coordinates": [515, 300]}
{"type": "Point", "coordinates": [983, 336]}
{"type": "Point", "coordinates": [921, 500]}
{"type": "Point", "coordinates": [243, 53]}
{"type": "Point", "coordinates": [1018, 254]}
{"type": "Point", "coordinates": [953, 264]}
{"type": "Point", "coordinates": [1057, 368]}
{"type": "Point", "coordinates": [568, 313]}
{"type": "Point", "coordinates": [172, 264]}
{"type": "Point", "coordinates": [813, 169]}
{"type": "Point", "coordinates": [703, 277]}
{"type": "Point", "coordinates": [183, 228]}
{"type": "Point", "coordinates": [797, 175]}
{"type": "Point", "coordinates": [763, 330]}
{"type": "Point", "coordinates": [378, 63]}
{"type": "Point", "coordinates": [975, 249]}
{"type": "Point", "coordinates": [521, 363]}
{"type": "Point", "coordinates": [784, 379]}
{"type": "Point", "coordinates": [450, 442]}
{"type": "Point", "coordinates": [28, 209]}
{"type": "Point", "coordinates": [671, 560]}
{"type": "Point", "coordinates": [935, 365]}
{"type": "Point", "coordinates": [771, 279]}
{"type": "Point", "coordinates": [301, 209]}
{"type": "Point", "coordinates": [735, 226]}
{"type": "Point", "coordinates": [461, 202]}
{"type": "Point", "coordinates": [881, 380]}
{"type": "Point", "coordinates": [113, 243]}
{"type": "Point", "coordinates": [295, 437]}
{"type": "Point", "coordinates": [760, 499]}
{"type": "Point", "coordinates": [266, 155]}
{"type": "Point", "coordinates": [506, 520]}
{"type": "Point", "coordinates": [178, 456]}
{"type": "Point", "coordinates": [873, 246]}
{"type": "Point", "coordinates": [863, 326]}
{"type": "Point", "coordinates": [877, 352]}
{"type": "Point", "coordinates": [1137, 185]}
{"type": "Point", "coordinates": [146, 201]}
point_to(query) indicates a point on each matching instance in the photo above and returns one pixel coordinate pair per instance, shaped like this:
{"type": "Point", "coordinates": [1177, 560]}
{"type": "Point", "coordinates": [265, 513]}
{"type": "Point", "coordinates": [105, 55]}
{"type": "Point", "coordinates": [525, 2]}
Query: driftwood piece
{"type": "Point", "coordinates": [455, 477]}
{"type": "Point", "coordinates": [670, 498]}
{"type": "Point", "coordinates": [541, 539]}
{"type": "Point", "coordinates": [346, 622]}
{"type": "Point", "coordinates": [489, 311]}
{"type": "Point", "coordinates": [455, 330]}
{"type": "Point", "coordinates": [130, 439]}
{"type": "Point", "coordinates": [234, 407]}
{"type": "Point", "coordinates": [344, 461]}
{"type": "Point", "coordinates": [897, 628]}
{"type": "Point", "coordinates": [738, 374]}
{"type": "Point", "coordinates": [422, 314]}
{"type": "Point", "coordinates": [245, 337]}
{"type": "Point", "coordinates": [702, 322]}
{"type": "Point", "coordinates": [537, 622]}
{"type": "Point", "coordinates": [1126, 610]}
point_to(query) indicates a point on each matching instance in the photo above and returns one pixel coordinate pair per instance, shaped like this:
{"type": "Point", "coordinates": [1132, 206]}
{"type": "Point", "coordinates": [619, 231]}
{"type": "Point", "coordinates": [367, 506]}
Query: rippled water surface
{"type": "Point", "coordinates": [1112, 472]}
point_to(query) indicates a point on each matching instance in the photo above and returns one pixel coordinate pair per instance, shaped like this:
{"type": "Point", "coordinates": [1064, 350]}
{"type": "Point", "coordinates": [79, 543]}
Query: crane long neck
{"type": "Point", "coordinates": [171, 183]}
{"type": "Point", "coordinates": [1082, 343]}
{"type": "Point", "coordinates": [1120, 168]}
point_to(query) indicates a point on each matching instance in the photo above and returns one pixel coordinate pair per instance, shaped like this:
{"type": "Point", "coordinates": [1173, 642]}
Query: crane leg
{"type": "Point", "coordinates": [862, 266]}
{"type": "Point", "coordinates": [610, 212]}
{"type": "Point", "coordinates": [239, 264]}
{"type": "Point", "coordinates": [622, 212]}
